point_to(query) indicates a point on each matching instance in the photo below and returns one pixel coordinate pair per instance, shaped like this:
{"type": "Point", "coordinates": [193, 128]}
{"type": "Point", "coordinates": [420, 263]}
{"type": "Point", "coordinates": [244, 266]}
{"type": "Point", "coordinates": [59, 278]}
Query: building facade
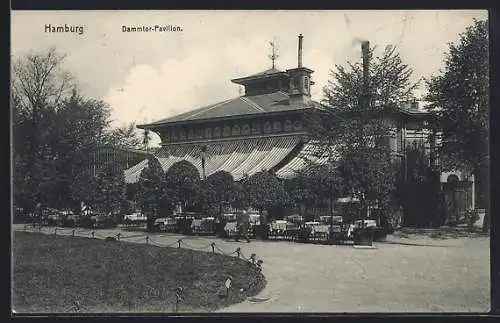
{"type": "Point", "coordinates": [263, 129]}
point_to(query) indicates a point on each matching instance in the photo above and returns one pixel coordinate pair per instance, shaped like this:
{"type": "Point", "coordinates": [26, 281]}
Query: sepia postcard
{"type": "Point", "coordinates": [305, 161]}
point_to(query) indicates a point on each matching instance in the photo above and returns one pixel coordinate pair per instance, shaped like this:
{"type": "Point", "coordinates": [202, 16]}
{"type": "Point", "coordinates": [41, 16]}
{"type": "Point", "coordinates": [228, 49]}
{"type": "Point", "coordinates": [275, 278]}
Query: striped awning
{"type": "Point", "coordinates": [310, 154]}
{"type": "Point", "coordinates": [238, 157]}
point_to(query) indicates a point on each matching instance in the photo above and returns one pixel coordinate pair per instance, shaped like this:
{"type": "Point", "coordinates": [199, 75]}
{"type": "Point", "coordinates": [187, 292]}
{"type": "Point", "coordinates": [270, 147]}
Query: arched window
{"type": "Point", "coordinates": [182, 134]}
{"type": "Point", "coordinates": [245, 130]}
{"type": "Point", "coordinates": [236, 130]}
{"type": "Point", "coordinates": [208, 132]}
{"type": "Point", "coordinates": [277, 126]}
{"type": "Point", "coordinates": [297, 125]}
{"type": "Point", "coordinates": [267, 127]}
{"type": "Point", "coordinates": [190, 134]}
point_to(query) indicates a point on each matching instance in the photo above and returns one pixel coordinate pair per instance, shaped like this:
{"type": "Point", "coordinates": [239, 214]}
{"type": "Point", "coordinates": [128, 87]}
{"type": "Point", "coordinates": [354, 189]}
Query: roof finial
{"type": "Point", "coordinates": [274, 55]}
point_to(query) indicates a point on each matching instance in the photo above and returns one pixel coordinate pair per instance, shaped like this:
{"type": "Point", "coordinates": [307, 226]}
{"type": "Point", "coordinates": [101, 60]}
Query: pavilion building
{"type": "Point", "coordinates": [263, 129]}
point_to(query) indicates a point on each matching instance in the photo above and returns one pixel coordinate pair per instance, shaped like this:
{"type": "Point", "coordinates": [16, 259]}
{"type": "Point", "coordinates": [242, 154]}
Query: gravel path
{"type": "Point", "coordinates": [411, 274]}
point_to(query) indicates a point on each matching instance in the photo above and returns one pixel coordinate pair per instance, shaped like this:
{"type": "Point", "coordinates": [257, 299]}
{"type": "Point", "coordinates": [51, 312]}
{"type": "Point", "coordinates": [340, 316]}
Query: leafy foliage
{"type": "Point", "coordinates": [39, 85]}
{"type": "Point", "coordinates": [152, 190]}
{"type": "Point", "coordinates": [418, 194]}
{"type": "Point", "coordinates": [55, 131]}
{"type": "Point", "coordinates": [126, 137]}
{"type": "Point", "coordinates": [459, 99]}
{"type": "Point", "coordinates": [390, 82]}
{"type": "Point", "coordinates": [264, 190]}
{"type": "Point", "coordinates": [354, 129]}
{"type": "Point", "coordinates": [218, 188]}
{"type": "Point", "coordinates": [111, 189]}
{"type": "Point", "coordinates": [314, 184]}
{"type": "Point", "coordinates": [183, 179]}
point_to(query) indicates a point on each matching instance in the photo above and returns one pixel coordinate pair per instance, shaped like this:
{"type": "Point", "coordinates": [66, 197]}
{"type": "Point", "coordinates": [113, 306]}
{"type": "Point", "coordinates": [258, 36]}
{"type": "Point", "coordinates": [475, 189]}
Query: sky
{"type": "Point", "coordinates": [148, 76]}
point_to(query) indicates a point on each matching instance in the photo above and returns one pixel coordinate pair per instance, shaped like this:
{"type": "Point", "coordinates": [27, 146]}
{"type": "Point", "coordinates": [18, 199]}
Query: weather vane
{"type": "Point", "coordinates": [274, 55]}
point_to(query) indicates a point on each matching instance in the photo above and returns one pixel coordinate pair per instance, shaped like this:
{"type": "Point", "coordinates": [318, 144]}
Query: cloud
{"type": "Point", "coordinates": [149, 94]}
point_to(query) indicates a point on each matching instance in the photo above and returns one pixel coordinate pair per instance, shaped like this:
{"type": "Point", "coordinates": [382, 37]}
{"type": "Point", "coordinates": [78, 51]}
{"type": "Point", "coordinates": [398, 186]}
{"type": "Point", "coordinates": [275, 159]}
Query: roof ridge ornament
{"type": "Point", "coordinates": [274, 52]}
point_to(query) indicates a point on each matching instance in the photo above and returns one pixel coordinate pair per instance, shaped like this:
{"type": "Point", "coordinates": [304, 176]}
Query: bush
{"type": "Point", "coordinates": [219, 228]}
{"type": "Point", "coordinates": [364, 236]}
{"type": "Point", "coordinates": [262, 231]}
{"type": "Point", "coordinates": [304, 234]}
{"type": "Point", "coordinates": [109, 223]}
{"type": "Point", "coordinates": [87, 222]}
{"type": "Point", "coordinates": [184, 226]}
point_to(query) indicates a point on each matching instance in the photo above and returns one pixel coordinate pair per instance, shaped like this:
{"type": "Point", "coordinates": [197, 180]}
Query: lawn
{"type": "Point", "coordinates": [74, 274]}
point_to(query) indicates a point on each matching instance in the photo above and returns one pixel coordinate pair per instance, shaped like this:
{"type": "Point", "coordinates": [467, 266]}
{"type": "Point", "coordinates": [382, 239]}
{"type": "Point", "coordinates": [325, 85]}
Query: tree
{"type": "Point", "coordinates": [326, 183]}
{"type": "Point", "coordinates": [419, 193]}
{"type": "Point", "coordinates": [125, 137]}
{"type": "Point", "coordinates": [459, 99]}
{"type": "Point", "coordinates": [39, 84]}
{"type": "Point", "coordinates": [84, 187]}
{"type": "Point", "coordinates": [219, 188]}
{"type": "Point", "coordinates": [183, 181]}
{"type": "Point", "coordinates": [55, 130]}
{"type": "Point", "coordinates": [152, 190]}
{"type": "Point", "coordinates": [353, 128]}
{"type": "Point", "coordinates": [264, 190]}
{"type": "Point", "coordinates": [111, 189]}
{"type": "Point", "coordinates": [241, 199]}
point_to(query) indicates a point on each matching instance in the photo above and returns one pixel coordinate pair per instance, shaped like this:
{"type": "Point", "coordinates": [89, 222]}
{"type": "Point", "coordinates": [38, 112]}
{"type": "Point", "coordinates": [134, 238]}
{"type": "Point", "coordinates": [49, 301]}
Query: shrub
{"type": "Point", "coordinates": [262, 231]}
{"type": "Point", "coordinates": [364, 236]}
{"type": "Point", "coordinates": [87, 222]}
{"type": "Point", "coordinates": [184, 225]}
{"type": "Point", "coordinates": [304, 234]}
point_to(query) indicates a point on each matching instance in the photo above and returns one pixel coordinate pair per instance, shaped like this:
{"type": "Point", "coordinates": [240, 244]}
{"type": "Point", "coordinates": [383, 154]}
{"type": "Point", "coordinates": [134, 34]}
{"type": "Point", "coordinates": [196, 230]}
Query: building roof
{"type": "Point", "coordinates": [243, 105]}
{"type": "Point", "coordinates": [272, 72]}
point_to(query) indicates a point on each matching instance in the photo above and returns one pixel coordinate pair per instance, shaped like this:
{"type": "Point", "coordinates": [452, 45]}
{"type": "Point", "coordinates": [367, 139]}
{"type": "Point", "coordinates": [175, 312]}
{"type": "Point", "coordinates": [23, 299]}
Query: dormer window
{"type": "Point", "coordinates": [306, 84]}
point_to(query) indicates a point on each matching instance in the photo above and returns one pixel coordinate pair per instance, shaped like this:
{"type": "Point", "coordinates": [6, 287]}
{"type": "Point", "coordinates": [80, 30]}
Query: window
{"type": "Point", "coordinates": [256, 128]}
{"type": "Point", "coordinates": [208, 132]}
{"type": "Point", "coordinates": [277, 126]}
{"type": "Point", "coordinates": [182, 134]}
{"type": "Point", "coordinates": [217, 132]}
{"type": "Point", "coordinates": [297, 125]}
{"type": "Point", "coordinates": [236, 130]}
{"type": "Point", "coordinates": [267, 127]}
{"type": "Point", "coordinates": [246, 129]}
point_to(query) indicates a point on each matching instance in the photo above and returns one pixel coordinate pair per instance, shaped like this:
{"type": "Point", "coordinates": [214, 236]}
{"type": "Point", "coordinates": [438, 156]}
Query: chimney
{"type": "Point", "coordinates": [365, 49]}
{"type": "Point", "coordinates": [300, 51]}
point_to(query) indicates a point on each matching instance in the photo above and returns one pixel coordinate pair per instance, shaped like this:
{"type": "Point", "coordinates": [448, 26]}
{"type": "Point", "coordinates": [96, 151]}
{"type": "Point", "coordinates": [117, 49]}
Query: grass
{"type": "Point", "coordinates": [51, 273]}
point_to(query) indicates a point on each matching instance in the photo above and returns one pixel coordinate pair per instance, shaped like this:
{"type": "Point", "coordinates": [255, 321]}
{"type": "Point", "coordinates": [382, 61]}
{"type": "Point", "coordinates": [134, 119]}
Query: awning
{"type": "Point", "coordinates": [238, 157]}
{"type": "Point", "coordinates": [310, 154]}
